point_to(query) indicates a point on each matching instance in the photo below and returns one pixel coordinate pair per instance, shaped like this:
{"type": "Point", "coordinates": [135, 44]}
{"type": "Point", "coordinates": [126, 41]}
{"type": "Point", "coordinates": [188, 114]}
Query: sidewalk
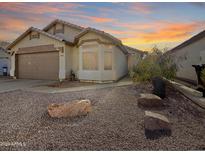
{"type": "Point", "coordinates": [46, 89]}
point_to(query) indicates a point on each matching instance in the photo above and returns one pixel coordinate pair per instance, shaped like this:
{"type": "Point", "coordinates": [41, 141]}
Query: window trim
{"type": "Point", "coordinates": [90, 51]}
{"type": "Point", "coordinates": [108, 69]}
{"type": "Point", "coordinates": [57, 31]}
{"type": "Point", "coordinates": [34, 36]}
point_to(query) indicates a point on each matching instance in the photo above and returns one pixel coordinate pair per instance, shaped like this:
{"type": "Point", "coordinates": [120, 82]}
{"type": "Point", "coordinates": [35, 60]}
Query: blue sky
{"type": "Point", "coordinates": [140, 25]}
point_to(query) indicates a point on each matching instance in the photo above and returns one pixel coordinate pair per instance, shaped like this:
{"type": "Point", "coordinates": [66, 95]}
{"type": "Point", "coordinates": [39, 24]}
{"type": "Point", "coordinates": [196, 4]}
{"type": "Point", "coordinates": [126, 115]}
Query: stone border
{"type": "Point", "coordinates": [192, 94]}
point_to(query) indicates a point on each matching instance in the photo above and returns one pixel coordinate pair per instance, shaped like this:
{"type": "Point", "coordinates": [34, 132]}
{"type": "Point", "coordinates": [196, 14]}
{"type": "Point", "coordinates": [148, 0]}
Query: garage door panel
{"type": "Point", "coordinates": [38, 66]}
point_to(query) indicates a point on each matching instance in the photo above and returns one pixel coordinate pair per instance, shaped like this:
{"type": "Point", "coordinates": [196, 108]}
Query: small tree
{"type": "Point", "coordinates": [168, 67]}
{"type": "Point", "coordinates": [155, 64]}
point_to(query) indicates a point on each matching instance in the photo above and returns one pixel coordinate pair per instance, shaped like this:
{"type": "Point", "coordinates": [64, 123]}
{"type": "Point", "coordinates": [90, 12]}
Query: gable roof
{"type": "Point", "coordinates": [63, 22]}
{"type": "Point", "coordinates": [187, 42]}
{"type": "Point", "coordinates": [133, 50]}
{"type": "Point", "coordinates": [116, 41]}
{"type": "Point", "coordinates": [102, 33]}
{"type": "Point", "coordinates": [39, 31]}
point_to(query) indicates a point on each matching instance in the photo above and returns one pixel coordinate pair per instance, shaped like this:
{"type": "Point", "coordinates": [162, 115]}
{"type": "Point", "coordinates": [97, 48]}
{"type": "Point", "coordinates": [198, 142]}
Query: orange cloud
{"type": "Point", "coordinates": [100, 19]}
{"type": "Point", "coordinates": [170, 33]}
{"type": "Point", "coordinates": [143, 26]}
{"type": "Point", "coordinates": [116, 32]}
{"type": "Point", "coordinates": [12, 24]}
{"type": "Point", "coordinates": [5, 36]}
{"type": "Point", "coordinates": [141, 7]}
{"type": "Point", "coordinates": [39, 8]}
{"type": "Point", "coordinates": [95, 19]}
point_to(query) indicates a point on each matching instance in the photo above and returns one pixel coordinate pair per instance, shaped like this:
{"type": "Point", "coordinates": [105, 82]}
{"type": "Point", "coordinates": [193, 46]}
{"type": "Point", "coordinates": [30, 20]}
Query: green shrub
{"type": "Point", "coordinates": [168, 68]}
{"type": "Point", "coordinates": [153, 65]}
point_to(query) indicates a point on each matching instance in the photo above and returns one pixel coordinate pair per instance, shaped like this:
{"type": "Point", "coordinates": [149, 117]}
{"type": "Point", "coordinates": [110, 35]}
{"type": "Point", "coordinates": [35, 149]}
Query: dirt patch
{"type": "Point", "coordinates": [116, 122]}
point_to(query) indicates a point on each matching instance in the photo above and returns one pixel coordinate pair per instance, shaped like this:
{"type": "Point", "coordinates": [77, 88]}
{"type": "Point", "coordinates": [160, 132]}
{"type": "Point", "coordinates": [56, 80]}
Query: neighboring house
{"type": "Point", "coordinates": [4, 58]}
{"type": "Point", "coordinates": [60, 47]}
{"type": "Point", "coordinates": [190, 52]}
{"type": "Point", "coordinates": [134, 56]}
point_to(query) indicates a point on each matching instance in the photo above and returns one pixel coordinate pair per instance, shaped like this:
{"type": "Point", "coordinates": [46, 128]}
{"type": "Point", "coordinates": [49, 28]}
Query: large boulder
{"type": "Point", "coordinates": [149, 101]}
{"type": "Point", "coordinates": [70, 109]}
{"type": "Point", "coordinates": [156, 125]}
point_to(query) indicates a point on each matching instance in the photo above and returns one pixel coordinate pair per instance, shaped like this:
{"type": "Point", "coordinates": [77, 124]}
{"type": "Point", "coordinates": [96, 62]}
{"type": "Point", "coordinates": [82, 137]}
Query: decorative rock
{"type": "Point", "coordinates": [70, 109]}
{"type": "Point", "coordinates": [156, 125]}
{"type": "Point", "coordinates": [149, 101]}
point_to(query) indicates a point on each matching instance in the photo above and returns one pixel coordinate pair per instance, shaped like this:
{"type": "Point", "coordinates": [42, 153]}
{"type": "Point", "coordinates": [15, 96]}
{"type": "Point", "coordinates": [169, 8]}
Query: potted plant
{"type": "Point", "coordinates": [72, 76]}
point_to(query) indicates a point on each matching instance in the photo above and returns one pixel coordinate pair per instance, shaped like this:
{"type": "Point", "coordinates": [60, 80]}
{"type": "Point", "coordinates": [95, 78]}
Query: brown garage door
{"type": "Point", "coordinates": [38, 66]}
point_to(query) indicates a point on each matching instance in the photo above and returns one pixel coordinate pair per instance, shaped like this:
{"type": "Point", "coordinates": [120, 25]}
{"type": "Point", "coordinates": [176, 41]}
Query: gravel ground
{"type": "Point", "coordinates": [116, 122]}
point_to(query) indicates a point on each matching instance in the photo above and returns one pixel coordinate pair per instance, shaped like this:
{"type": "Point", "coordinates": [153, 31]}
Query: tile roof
{"type": "Point", "coordinates": [133, 50]}
{"type": "Point", "coordinates": [72, 41]}
{"type": "Point", "coordinates": [89, 29]}
{"type": "Point", "coordinates": [39, 31]}
{"type": "Point", "coordinates": [63, 22]}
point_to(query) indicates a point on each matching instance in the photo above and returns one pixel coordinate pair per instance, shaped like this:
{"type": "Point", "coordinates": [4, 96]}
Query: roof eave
{"type": "Point", "coordinates": [86, 30]}
{"type": "Point", "coordinates": [63, 22]}
{"type": "Point", "coordinates": [187, 42]}
{"type": "Point", "coordinates": [37, 30]}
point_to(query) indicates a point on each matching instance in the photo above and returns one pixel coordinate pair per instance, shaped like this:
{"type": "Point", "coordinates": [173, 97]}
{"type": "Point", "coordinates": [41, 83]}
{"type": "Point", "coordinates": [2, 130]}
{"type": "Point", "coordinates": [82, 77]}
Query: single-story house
{"type": "Point", "coordinates": [190, 52]}
{"type": "Point", "coordinates": [62, 47]}
{"type": "Point", "coordinates": [4, 59]}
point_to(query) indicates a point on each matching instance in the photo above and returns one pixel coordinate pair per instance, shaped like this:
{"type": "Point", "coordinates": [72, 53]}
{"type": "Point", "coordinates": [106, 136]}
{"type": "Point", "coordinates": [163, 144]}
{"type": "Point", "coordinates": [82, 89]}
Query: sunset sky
{"type": "Point", "coordinates": [140, 25]}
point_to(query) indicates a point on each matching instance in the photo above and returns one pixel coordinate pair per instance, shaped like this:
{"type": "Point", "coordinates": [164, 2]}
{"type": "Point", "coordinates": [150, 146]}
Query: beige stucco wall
{"type": "Point", "coordinates": [121, 63]}
{"type": "Point", "coordinates": [72, 53]}
{"type": "Point", "coordinates": [92, 35]}
{"type": "Point", "coordinates": [43, 40]}
{"type": "Point", "coordinates": [75, 59]}
{"type": "Point", "coordinates": [108, 74]}
{"type": "Point", "coordinates": [68, 64]}
{"type": "Point", "coordinates": [119, 60]}
{"type": "Point", "coordinates": [69, 32]}
{"type": "Point", "coordinates": [92, 75]}
{"type": "Point", "coordinates": [51, 30]}
{"type": "Point", "coordinates": [133, 60]}
{"type": "Point", "coordinates": [71, 58]}
{"type": "Point", "coordinates": [192, 54]}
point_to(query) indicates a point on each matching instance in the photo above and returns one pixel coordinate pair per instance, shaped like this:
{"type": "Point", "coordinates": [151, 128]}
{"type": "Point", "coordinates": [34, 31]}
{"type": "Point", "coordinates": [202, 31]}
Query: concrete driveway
{"type": "Point", "coordinates": [7, 84]}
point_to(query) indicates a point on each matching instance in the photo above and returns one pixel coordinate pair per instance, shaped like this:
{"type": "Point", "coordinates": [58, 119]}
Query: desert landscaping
{"type": "Point", "coordinates": [115, 122]}
{"type": "Point", "coordinates": [102, 76]}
